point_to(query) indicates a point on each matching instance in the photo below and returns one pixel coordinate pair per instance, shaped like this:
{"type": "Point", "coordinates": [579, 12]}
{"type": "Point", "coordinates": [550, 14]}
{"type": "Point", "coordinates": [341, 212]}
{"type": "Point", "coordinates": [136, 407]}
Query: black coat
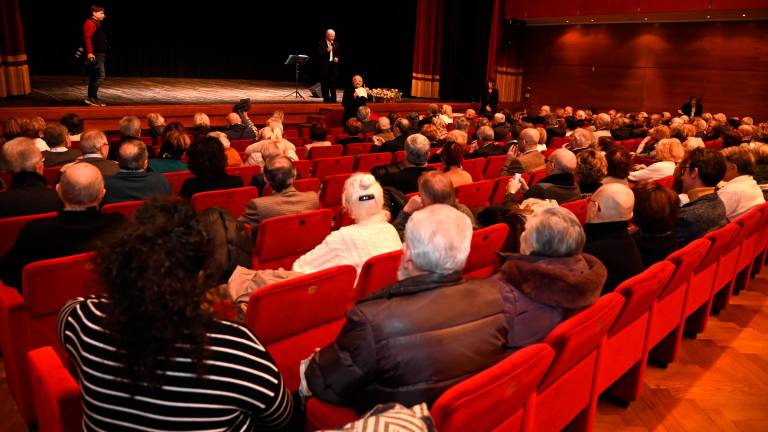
{"type": "Point", "coordinates": [195, 185]}
{"type": "Point", "coordinates": [612, 244]}
{"type": "Point", "coordinates": [489, 99]}
{"type": "Point", "coordinates": [27, 196]}
{"type": "Point", "coordinates": [406, 181]}
{"type": "Point", "coordinates": [351, 104]}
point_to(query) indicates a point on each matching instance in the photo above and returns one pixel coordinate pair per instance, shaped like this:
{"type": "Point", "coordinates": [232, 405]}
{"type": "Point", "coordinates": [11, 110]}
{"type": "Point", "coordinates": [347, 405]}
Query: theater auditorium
{"type": "Point", "coordinates": [423, 215]}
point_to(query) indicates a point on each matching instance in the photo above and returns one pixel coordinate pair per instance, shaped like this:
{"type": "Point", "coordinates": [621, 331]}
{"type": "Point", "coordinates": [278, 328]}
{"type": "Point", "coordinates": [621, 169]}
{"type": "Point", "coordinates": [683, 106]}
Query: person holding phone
{"type": "Point", "coordinates": [96, 54]}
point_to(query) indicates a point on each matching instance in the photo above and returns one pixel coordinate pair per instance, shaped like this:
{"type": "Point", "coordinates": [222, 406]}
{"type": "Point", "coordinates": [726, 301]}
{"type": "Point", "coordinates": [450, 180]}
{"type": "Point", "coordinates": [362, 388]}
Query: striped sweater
{"type": "Point", "coordinates": [240, 390]}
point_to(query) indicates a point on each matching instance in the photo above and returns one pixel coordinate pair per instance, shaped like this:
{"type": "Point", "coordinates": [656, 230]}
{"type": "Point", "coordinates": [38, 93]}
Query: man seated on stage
{"type": "Point", "coordinates": [414, 339]}
{"type": "Point", "coordinates": [240, 127]}
{"type": "Point", "coordinates": [355, 97]}
{"type": "Point", "coordinates": [29, 193]}
{"type": "Point", "coordinates": [72, 231]}
{"type": "Point", "coordinates": [416, 155]}
{"type": "Point", "coordinates": [280, 174]}
{"type": "Point", "coordinates": [94, 146]}
{"type": "Point", "coordinates": [364, 115]}
{"type": "Point", "coordinates": [133, 182]}
{"type": "Point", "coordinates": [400, 132]}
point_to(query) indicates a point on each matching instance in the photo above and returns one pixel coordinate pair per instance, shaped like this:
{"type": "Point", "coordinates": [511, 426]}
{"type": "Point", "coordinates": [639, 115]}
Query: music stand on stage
{"type": "Point", "coordinates": [296, 60]}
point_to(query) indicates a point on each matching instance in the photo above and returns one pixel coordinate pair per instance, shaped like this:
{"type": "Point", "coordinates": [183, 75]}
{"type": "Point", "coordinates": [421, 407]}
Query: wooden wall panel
{"type": "Point", "coordinates": [650, 67]}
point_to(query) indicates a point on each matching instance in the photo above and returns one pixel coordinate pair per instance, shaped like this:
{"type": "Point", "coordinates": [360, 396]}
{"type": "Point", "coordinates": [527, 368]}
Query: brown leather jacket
{"type": "Point", "coordinates": [411, 341]}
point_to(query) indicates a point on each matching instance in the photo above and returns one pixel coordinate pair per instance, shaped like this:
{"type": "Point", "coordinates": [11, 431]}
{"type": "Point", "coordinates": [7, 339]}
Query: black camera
{"type": "Point", "coordinates": [243, 106]}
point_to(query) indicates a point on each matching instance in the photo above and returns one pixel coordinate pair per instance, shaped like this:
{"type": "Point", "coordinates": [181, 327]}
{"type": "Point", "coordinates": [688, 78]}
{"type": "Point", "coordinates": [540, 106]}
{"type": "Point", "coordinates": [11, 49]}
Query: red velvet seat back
{"type": "Point", "coordinates": [579, 336]}
{"type": "Point", "coordinates": [357, 149]}
{"type": "Point", "coordinates": [499, 190]}
{"type": "Point", "coordinates": [365, 162]}
{"type": "Point", "coordinates": [56, 393]}
{"type": "Point", "coordinates": [493, 166]}
{"type": "Point", "coordinates": [398, 156]}
{"type": "Point", "coordinates": [378, 272]}
{"type": "Point", "coordinates": [301, 152]}
{"type": "Point", "coordinates": [245, 172]}
{"type": "Point", "coordinates": [176, 179]}
{"type": "Point", "coordinates": [331, 151]}
{"type": "Point", "coordinates": [721, 240]}
{"type": "Point", "coordinates": [639, 293]}
{"type": "Point", "coordinates": [303, 169]}
{"type": "Point", "coordinates": [52, 175]}
{"type": "Point", "coordinates": [483, 260]}
{"type": "Point", "coordinates": [10, 227]}
{"type": "Point", "coordinates": [331, 190]}
{"type": "Point", "coordinates": [324, 167]}
{"type": "Point", "coordinates": [536, 176]}
{"type": "Point", "coordinates": [282, 239]}
{"type": "Point", "coordinates": [477, 194]}
{"type": "Point", "coordinates": [127, 208]}
{"type": "Point", "coordinates": [579, 208]}
{"type": "Point", "coordinates": [232, 200]}
{"type": "Point", "coordinates": [295, 316]}
{"type": "Point", "coordinates": [474, 167]}
{"type": "Point", "coordinates": [558, 142]}
{"type": "Point", "coordinates": [240, 144]}
{"type": "Point", "coordinates": [685, 261]}
{"type": "Point", "coordinates": [492, 399]}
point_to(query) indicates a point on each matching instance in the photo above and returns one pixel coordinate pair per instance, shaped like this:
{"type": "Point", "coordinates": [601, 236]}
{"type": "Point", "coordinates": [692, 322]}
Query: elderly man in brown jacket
{"type": "Point", "coordinates": [412, 340]}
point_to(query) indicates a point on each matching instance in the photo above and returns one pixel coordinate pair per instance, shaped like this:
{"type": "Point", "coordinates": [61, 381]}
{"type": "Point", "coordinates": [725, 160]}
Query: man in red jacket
{"type": "Point", "coordinates": [96, 50]}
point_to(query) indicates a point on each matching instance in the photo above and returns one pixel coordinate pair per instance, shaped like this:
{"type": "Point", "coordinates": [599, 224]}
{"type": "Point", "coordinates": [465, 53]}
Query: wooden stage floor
{"type": "Point", "coordinates": [719, 382]}
{"type": "Point", "coordinates": [71, 90]}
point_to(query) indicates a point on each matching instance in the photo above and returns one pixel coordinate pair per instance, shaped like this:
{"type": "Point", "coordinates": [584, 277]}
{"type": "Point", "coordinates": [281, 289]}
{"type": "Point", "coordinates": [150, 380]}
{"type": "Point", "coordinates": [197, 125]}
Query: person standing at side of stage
{"type": "Point", "coordinates": [96, 50]}
{"type": "Point", "coordinates": [328, 58]}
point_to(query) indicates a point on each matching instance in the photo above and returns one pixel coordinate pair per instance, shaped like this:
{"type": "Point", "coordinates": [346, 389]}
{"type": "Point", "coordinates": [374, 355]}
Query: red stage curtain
{"type": "Point", "coordinates": [14, 72]}
{"type": "Point", "coordinates": [504, 55]}
{"type": "Point", "coordinates": [425, 81]}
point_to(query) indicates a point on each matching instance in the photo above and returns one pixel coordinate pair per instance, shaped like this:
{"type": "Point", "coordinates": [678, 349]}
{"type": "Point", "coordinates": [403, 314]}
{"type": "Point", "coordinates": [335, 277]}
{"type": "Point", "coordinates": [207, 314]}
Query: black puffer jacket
{"type": "Point", "coordinates": [411, 341]}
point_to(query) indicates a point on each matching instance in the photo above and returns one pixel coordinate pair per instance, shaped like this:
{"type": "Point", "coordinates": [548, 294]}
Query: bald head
{"type": "Point", "coordinates": [383, 124]}
{"type": "Point", "coordinates": [81, 186]}
{"type": "Point", "coordinates": [581, 138]}
{"type": "Point", "coordinates": [132, 155]}
{"type": "Point", "coordinates": [562, 161]}
{"type": "Point", "coordinates": [233, 118]}
{"type": "Point", "coordinates": [530, 137]}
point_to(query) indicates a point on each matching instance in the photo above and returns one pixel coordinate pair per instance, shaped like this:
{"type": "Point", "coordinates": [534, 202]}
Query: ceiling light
{"type": "Point", "coordinates": [743, 15]}
{"type": "Point", "coordinates": [645, 19]}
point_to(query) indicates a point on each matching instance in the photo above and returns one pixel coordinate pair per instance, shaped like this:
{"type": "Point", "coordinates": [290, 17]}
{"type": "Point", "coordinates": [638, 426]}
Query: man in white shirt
{"type": "Point", "coordinates": [328, 56]}
{"type": "Point", "coordinates": [740, 191]}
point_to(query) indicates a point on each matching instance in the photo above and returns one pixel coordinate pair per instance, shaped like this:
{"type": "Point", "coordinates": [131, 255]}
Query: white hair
{"type": "Point", "coordinates": [439, 247]}
{"type": "Point", "coordinates": [417, 149]}
{"type": "Point", "coordinates": [499, 118]}
{"type": "Point", "coordinates": [552, 232]}
{"type": "Point", "coordinates": [363, 197]}
{"type": "Point", "coordinates": [485, 133]}
{"type": "Point", "coordinates": [273, 130]}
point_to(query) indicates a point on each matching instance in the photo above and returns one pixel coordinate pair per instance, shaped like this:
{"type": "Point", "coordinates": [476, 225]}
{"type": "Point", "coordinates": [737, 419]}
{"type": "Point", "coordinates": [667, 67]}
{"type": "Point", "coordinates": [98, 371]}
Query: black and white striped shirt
{"type": "Point", "coordinates": [240, 390]}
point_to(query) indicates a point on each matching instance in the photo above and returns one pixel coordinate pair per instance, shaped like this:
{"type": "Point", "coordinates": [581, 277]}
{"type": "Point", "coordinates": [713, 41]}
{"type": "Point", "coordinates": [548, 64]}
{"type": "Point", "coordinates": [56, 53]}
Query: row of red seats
{"type": "Point", "coordinates": [543, 387]}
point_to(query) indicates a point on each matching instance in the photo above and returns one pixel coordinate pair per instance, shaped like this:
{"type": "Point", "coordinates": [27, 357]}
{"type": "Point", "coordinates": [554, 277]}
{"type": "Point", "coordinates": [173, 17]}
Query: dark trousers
{"type": "Point", "coordinates": [328, 74]}
{"type": "Point", "coordinates": [96, 75]}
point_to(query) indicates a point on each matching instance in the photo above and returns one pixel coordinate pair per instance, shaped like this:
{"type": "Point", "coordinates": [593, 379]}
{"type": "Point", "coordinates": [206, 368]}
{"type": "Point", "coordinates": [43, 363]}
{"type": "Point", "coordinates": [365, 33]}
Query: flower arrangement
{"type": "Point", "coordinates": [389, 95]}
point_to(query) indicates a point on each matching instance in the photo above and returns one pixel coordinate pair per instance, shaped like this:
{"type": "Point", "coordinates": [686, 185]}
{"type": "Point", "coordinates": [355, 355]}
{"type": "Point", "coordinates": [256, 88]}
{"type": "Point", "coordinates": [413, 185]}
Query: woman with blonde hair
{"type": "Point", "coordinates": [447, 114]}
{"type": "Point", "coordinates": [669, 152]}
{"type": "Point", "coordinates": [647, 146]}
{"type": "Point", "coordinates": [272, 136]}
{"type": "Point", "coordinates": [201, 125]}
{"type": "Point", "coordinates": [688, 131]}
{"type": "Point", "coordinates": [370, 235]}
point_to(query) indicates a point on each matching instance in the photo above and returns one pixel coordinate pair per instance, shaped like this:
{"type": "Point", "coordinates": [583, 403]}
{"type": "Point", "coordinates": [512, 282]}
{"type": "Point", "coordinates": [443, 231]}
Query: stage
{"type": "Point", "coordinates": [177, 99]}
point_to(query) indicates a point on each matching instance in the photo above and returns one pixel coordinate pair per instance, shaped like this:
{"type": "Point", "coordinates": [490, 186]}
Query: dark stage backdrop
{"type": "Point", "coordinates": [245, 40]}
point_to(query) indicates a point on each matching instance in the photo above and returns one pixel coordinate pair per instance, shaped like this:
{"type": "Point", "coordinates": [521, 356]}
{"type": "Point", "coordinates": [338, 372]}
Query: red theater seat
{"type": "Point", "coordinates": [10, 227]}
{"type": "Point", "coordinates": [474, 195]}
{"type": "Point", "coordinates": [493, 166]}
{"type": "Point", "coordinates": [307, 230]}
{"type": "Point", "coordinates": [56, 393]}
{"type": "Point", "coordinates": [30, 322]}
{"type": "Point", "coordinates": [245, 172]}
{"type": "Point", "coordinates": [567, 392]}
{"type": "Point", "coordinates": [366, 162]}
{"type": "Point", "coordinates": [301, 185]}
{"type": "Point", "coordinates": [331, 190]}
{"type": "Point", "coordinates": [474, 167]}
{"type": "Point", "coordinates": [294, 317]}
{"type": "Point", "coordinates": [483, 260]}
{"type": "Point", "coordinates": [499, 190]}
{"type": "Point", "coordinates": [378, 272]}
{"type": "Point", "coordinates": [579, 208]}
{"type": "Point", "coordinates": [398, 156]}
{"type": "Point", "coordinates": [329, 166]}
{"type": "Point", "coordinates": [176, 179]}
{"type": "Point", "coordinates": [357, 149]}
{"type": "Point", "coordinates": [232, 200]}
{"type": "Point", "coordinates": [127, 208]}
{"type": "Point", "coordinates": [331, 151]}
{"type": "Point", "coordinates": [303, 169]}
{"type": "Point", "coordinates": [497, 398]}
{"type": "Point", "coordinates": [536, 176]}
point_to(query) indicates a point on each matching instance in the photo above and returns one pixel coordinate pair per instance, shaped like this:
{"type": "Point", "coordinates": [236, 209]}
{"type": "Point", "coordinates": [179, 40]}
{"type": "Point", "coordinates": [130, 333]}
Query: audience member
{"type": "Point", "coordinates": [607, 228]}
{"type": "Point", "coordinates": [58, 140]}
{"type": "Point", "coordinates": [240, 127]}
{"type": "Point", "coordinates": [452, 155]}
{"type": "Point", "coordinates": [434, 188]}
{"type": "Point", "coordinates": [370, 235]}
{"type": "Point", "coordinates": [273, 143]}
{"type": "Point", "coordinates": [690, 141]}
{"type": "Point", "coordinates": [430, 132]}
{"type": "Point", "coordinates": [581, 139]}
{"type": "Point", "coordinates": [602, 125]}
{"type": "Point", "coordinates": [655, 214]}
{"type": "Point", "coordinates": [233, 157]}
{"type": "Point", "coordinates": [700, 172]}
{"type": "Point", "coordinates": [364, 115]}
{"type": "Point", "coordinates": [407, 179]}
{"type": "Point", "coordinates": [133, 182]}
{"type": "Point", "coordinates": [500, 127]}
{"type": "Point", "coordinates": [619, 165]}
{"type": "Point", "coordinates": [551, 279]}
{"type": "Point", "coordinates": [446, 114]}
{"type": "Point", "coordinates": [383, 131]}
{"type": "Point", "coordinates": [74, 125]}
{"type": "Point", "coordinates": [130, 127]}
{"type": "Point", "coordinates": [201, 125]}
{"type": "Point", "coordinates": [160, 319]}
{"type": "Point", "coordinates": [208, 163]}
{"type": "Point", "coordinates": [279, 174]}
{"type": "Point", "coordinates": [33, 129]}
{"type": "Point", "coordinates": [401, 131]}
{"type": "Point", "coordinates": [485, 146]}
{"type": "Point", "coordinates": [740, 194]}
{"type": "Point", "coordinates": [447, 328]}
{"type": "Point", "coordinates": [591, 169]}
{"type": "Point", "coordinates": [95, 148]}
{"type": "Point", "coordinates": [559, 184]}
{"type": "Point", "coordinates": [29, 193]}
{"type": "Point", "coordinates": [175, 145]}
{"type": "Point", "coordinates": [354, 130]}
{"type": "Point", "coordinates": [669, 152]}
{"type": "Point", "coordinates": [318, 135]}
{"type": "Point", "coordinates": [72, 231]}
{"type": "Point", "coordinates": [156, 123]}
{"type": "Point", "coordinates": [524, 158]}
{"type": "Point", "coordinates": [647, 146]}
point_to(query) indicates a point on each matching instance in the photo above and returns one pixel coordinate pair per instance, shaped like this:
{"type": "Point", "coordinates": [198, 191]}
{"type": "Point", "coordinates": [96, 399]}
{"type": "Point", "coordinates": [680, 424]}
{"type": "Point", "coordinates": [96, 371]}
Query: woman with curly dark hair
{"type": "Point", "coordinates": [150, 354]}
{"type": "Point", "coordinates": [208, 163]}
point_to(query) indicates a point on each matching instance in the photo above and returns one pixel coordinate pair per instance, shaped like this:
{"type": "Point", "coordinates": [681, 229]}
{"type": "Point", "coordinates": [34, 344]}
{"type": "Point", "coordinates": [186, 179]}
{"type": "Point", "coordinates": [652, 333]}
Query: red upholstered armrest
{"type": "Point", "coordinates": [56, 393]}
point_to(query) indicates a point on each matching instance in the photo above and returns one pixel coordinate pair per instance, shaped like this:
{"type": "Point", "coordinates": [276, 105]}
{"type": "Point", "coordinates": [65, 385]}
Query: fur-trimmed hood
{"type": "Point", "coordinates": [569, 282]}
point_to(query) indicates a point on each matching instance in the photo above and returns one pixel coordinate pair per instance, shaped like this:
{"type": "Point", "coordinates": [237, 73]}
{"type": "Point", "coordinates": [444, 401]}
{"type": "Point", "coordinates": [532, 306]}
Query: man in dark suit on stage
{"type": "Point", "coordinates": [328, 58]}
{"type": "Point", "coordinates": [72, 231]}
